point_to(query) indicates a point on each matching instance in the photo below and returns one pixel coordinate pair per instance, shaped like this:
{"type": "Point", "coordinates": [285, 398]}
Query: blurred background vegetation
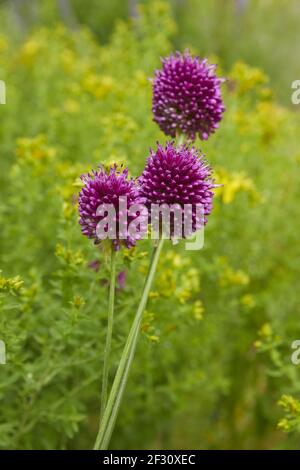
{"type": "Point", "coordinates": [263, 33]}
{"type": "Point", "coordinates": [213, 368]}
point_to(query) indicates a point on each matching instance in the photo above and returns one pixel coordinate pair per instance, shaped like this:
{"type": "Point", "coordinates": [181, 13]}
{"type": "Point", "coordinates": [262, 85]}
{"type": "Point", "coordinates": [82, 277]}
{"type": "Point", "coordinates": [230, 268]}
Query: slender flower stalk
{"type": "Point", "coordinates": [120, 381]}
{"type": "Point", "coordinates": [110, 321]}
{"type": "Point", "coordinates": [180, 139]}
{"type": "Point", "coordinates": [101, 188]}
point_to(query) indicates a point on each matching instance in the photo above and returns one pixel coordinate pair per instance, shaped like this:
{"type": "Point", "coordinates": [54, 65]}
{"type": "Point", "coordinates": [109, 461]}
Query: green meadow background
{"type": "Point", "coordinates": [213, 367]}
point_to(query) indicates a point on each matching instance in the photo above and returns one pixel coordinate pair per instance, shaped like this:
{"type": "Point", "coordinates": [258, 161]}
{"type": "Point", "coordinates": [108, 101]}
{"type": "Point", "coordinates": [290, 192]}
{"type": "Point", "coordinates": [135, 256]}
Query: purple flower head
{"type": "Point", "coordinates": [102, 188]}
{"type": "Point", "coordinates": [187, 97]}
{"type": "Point", "coordinates": [181, 178]}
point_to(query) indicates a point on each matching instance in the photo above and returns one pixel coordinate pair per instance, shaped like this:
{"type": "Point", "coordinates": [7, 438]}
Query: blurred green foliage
{"type": "Point", "coordinates": [214, 356]}
{"type": "Point", "coordinates": [264, 33]}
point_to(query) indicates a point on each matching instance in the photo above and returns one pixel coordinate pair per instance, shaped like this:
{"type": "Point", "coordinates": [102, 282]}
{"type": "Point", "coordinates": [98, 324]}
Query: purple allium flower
{"type": "Point", "coordinates": [179, 176]}
{"type": "Point", "coordinates": [107, 188]}
{"type": "Point", "coordinates": [187, 97]}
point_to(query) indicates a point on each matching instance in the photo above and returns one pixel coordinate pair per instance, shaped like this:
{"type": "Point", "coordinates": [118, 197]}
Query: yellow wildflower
{"type": "Point", "coordinates": [29, 51]}
{"type": "Point", "coordinates": [3, 43]}
{"type": "Point", "coordinates": [248, 301]}
{"type": "Point", "coordinates": [70, 257]}
{"type": "Point", "coordinates": [232, 184]}
{"type": "Point", "coordinates": [12, 284]}
{"type": "Point", "coordinates": [198, 310]}
{"type": "Point", "coordinates": [290, 404]}
{"type": "Point", "coordinates": [247, 78]}
{"type": "Point", "coordinates": [231, 277]}
{"type": "Point", "coordinates": [34, 149]}
{"type": "Point", "coordinates": [99, 86]}
{"type": "Point", "coordinates": [71, 106]}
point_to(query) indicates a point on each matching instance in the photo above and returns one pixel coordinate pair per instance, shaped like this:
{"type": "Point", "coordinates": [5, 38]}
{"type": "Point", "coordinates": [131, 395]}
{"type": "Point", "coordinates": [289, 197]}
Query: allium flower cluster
{"type": "Point", "coordinates": [101, 188]}
{"type": "Point", "coordinates": [187, 97]}
{"type": "Point", "coordinates": [186, 101]}
{"type": "Point", "coordinates": [174, 194]}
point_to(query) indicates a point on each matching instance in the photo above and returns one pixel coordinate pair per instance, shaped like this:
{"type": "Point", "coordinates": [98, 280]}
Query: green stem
{"type": "Point", "coordinates": [121, 377]}
{"type": "Point", "coordinates": [180, 139]}
{"type": "Point", "coordinates": [110, 320]}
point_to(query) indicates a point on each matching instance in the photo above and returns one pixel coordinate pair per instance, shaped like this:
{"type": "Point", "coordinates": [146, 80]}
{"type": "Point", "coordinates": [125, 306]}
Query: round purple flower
{"type": "Point", "coordinates": [103, 190]}
{"type": "Point", "coordinates": [179, 178]}
{"type": "Point", "coordinates": [187, 97]}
